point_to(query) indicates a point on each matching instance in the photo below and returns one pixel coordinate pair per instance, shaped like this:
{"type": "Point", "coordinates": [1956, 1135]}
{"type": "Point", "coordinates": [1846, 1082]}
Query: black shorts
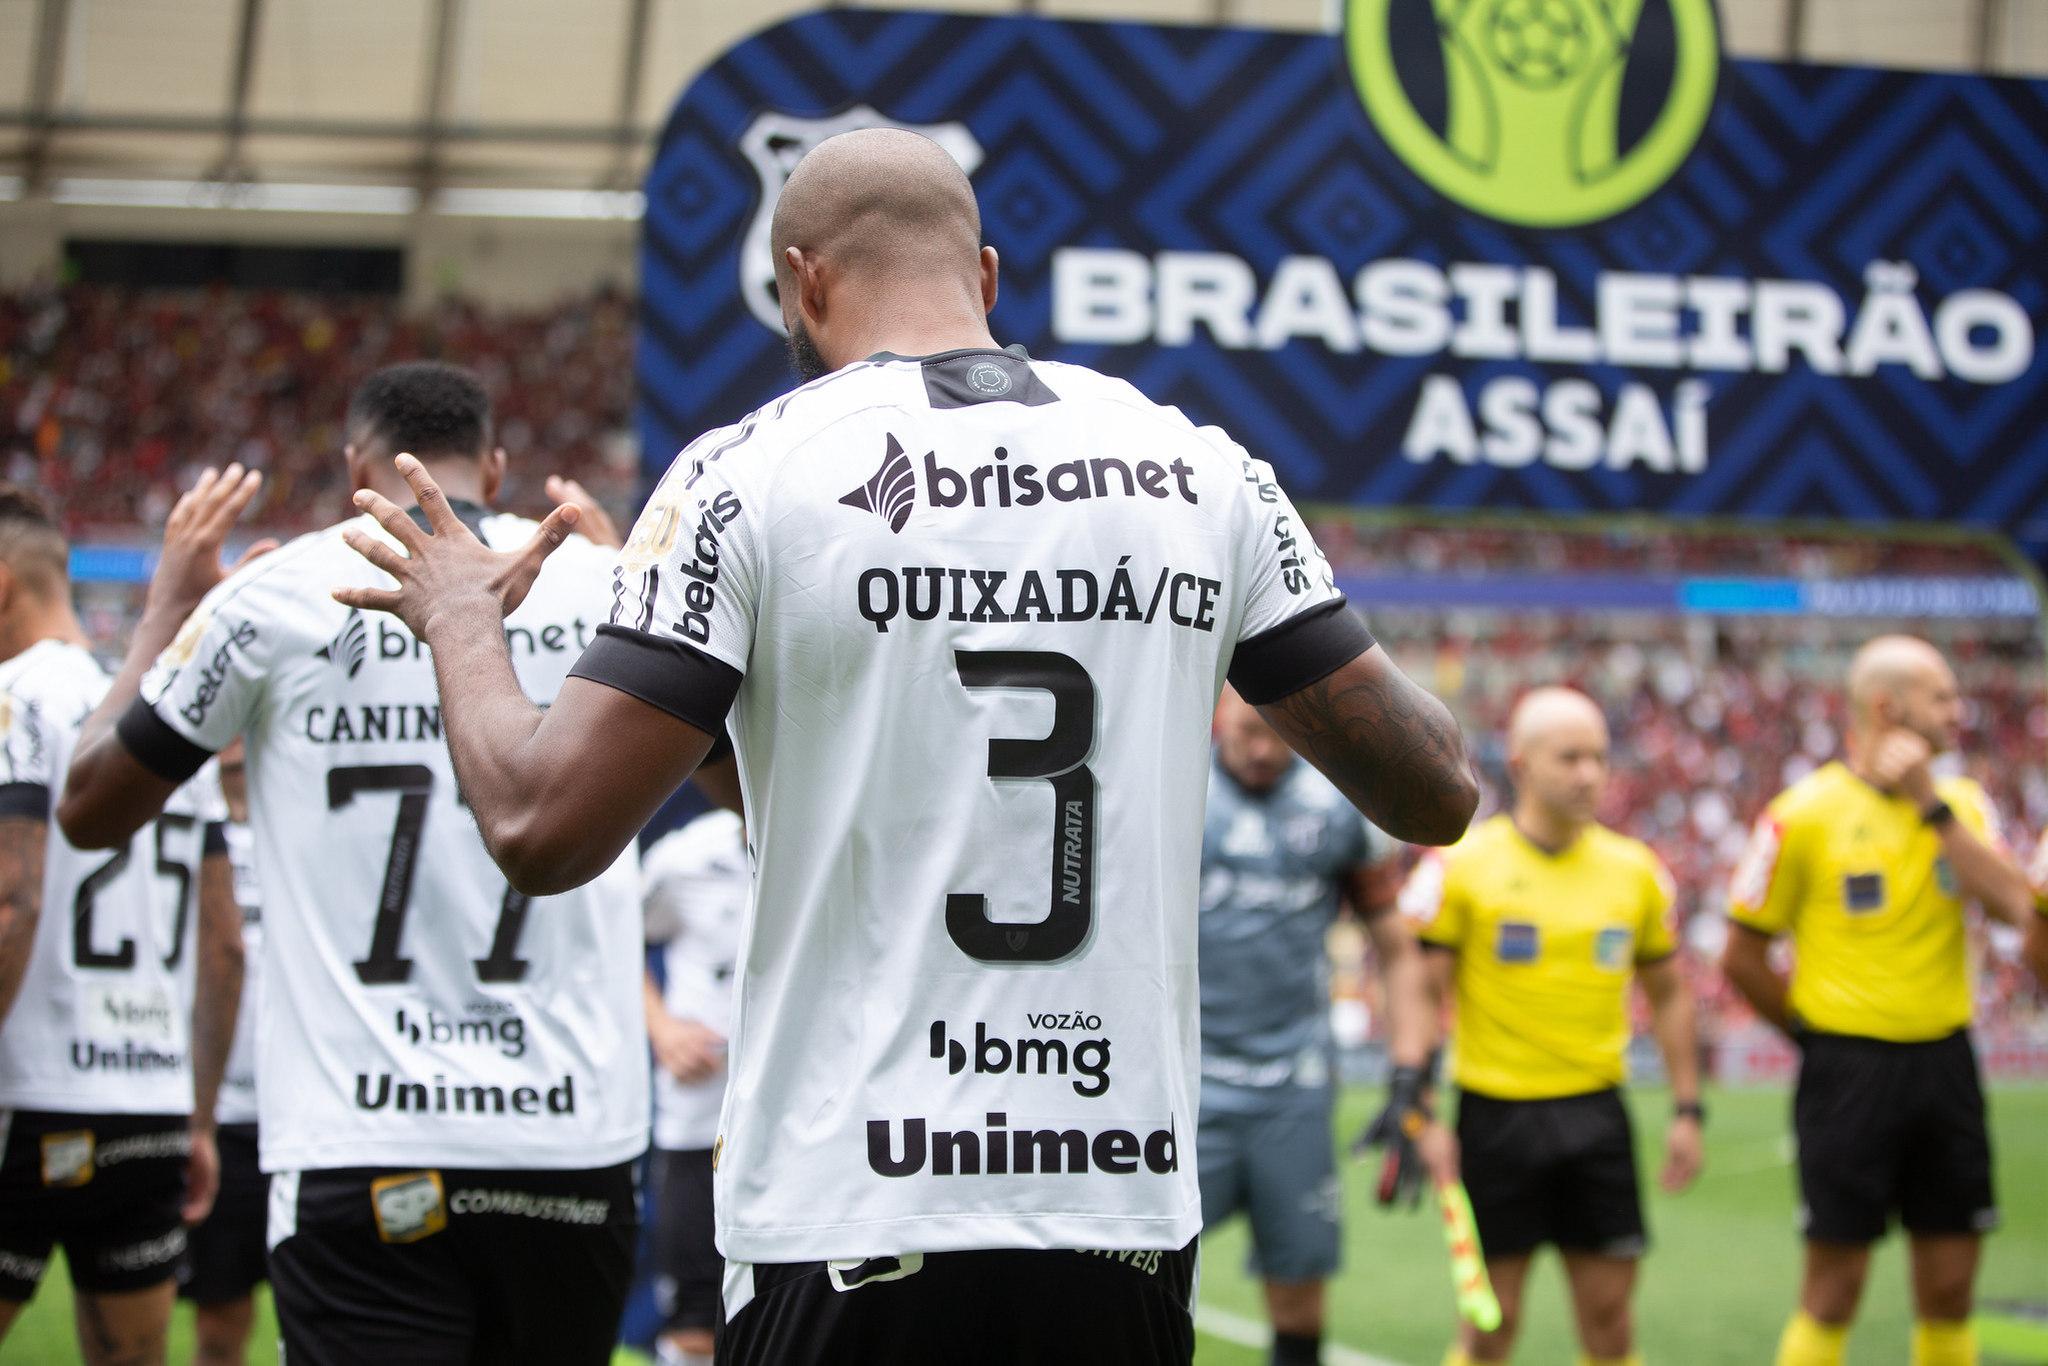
{"type": "Point", "coordinates": [1557, 1171]}
{"type": "Point", "coordinates": [687, 1267]}
{"type": "Point", "coordinates": [381, 1267]}
{"type": "Point", "coordinates": [1008, 1308]}
{"type": "Point", "coordinates": [106, 1187]}
{"type": "Point", "coordinates": [1891, 1127]}
{"type": "Point", "coordinates": [225, 1258]}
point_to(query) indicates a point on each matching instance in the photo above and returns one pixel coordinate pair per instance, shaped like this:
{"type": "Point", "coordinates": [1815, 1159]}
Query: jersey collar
{"type": "Point", "coordinates": [1015, 351]}
{"type": "Point", "coordinates": [469, 514]}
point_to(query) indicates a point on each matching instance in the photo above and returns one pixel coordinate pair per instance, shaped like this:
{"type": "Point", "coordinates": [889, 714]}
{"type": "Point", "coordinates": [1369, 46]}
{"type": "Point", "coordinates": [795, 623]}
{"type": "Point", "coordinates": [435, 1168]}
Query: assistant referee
{"type": "Point", "coordinates": [1868, 864]}
{"type": "Point", "coordinates": [1538, 919]}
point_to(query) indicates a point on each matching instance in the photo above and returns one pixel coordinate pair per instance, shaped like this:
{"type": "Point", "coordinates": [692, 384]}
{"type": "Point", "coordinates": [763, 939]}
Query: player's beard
{"type": "Point", "coordinates": [803, 355]}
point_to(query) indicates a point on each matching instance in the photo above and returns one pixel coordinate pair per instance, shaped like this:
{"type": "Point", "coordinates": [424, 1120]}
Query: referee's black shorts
{"type": "Point", "coordinates": [998, 1308]}
{"type": "Point", "coordinates": [1890, 1128]}
{"type": "Point", "coordinates": [1559, 1171]}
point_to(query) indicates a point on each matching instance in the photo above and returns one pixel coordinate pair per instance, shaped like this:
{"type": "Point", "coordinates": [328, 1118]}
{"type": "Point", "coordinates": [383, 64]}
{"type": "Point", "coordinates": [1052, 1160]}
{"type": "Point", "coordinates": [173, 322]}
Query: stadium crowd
{"type": "Point", "coordinates": [112, 399]}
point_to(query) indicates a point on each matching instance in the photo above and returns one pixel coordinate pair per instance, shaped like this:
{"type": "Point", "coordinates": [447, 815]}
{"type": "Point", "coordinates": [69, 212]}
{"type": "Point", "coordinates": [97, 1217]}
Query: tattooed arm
{"type": "Point", "coordinates": [22, 841]}
{"type": "Point", "coordinates": [1387, 744]}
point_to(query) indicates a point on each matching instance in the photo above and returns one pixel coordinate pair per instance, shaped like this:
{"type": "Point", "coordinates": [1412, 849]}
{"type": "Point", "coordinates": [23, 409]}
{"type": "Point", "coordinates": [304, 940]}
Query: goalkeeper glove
{"type": "Point", "coordinates": [1406, 1115]}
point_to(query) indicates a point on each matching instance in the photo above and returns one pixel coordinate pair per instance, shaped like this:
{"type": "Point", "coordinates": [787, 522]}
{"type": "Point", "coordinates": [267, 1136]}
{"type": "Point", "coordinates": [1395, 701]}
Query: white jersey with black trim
{"type": "Point", "coordinates": [975, 611]}
{"type": "Point", "coordinates": [236, 1103]}
{"type": "Point", "coordinates": [696, 882]}
{"type": "Point", "coordinates": [102, 1024]}
{"type": "Point", "coordinates": [414, 1010]}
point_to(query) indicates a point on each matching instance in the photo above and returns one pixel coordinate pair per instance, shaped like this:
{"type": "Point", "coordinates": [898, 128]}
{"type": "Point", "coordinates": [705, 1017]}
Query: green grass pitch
{"type": "Point", "coordinates": [1714, 1291]}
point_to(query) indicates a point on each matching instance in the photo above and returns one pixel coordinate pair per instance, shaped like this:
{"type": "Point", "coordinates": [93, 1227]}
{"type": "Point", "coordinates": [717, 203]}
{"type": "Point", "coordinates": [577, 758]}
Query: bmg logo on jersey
{"type": "Point", "coordinates": [506, 1031]}
{"type": "Point", "coordinates": [1086, 1063]}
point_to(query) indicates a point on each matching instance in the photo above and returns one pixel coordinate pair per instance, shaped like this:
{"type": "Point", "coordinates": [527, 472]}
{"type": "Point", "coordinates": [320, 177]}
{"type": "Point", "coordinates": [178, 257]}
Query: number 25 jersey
{"type": "Point", "coordinates": [974, 611]}
{"type": "Point", "coordinates": [415, 1011]}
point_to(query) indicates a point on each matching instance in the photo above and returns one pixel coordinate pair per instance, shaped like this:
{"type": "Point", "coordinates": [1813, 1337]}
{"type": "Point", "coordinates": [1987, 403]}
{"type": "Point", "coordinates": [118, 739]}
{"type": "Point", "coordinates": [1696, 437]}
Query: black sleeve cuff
{"type": "Point", "coordinates": [216, 839]}
{"type": "Point", "coordinates": [684, 682]}
{"type": "Point", "coordinates": [25, 799]}
{"type": "Point", "coordinates": [1299, 651]}
{"type": "Point", "coordinates": [156, 746]}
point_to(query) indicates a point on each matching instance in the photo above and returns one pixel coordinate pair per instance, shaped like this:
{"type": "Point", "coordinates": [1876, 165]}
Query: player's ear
{"type": "Point", "coordinates": [493, 475]}
{"type": "Point", "coordinates": [9, 587]}
{"type": "Point", "coordinates": [807, 286]}
{"type": "Point", "coordinates": [989, 266]}
{"type": "Point", "coordinates": [358, 460]}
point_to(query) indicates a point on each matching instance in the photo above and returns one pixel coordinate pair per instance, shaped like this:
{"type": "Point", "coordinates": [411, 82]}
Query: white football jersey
{"type": "Point", "coordinates": [696, 882]}
{"type": "Point", "coordinates": [102, 1024]}
{"type": "Point", "coordinates": [975, 611]}
{"type": "Point", "coordinates": [414, 1010]}
{"type": "Point", "coordinates": [236, 1103]}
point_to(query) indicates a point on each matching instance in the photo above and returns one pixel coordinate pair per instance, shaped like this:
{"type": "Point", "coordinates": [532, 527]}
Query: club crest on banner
{"type": "Point", "coordinates": [773, 144]}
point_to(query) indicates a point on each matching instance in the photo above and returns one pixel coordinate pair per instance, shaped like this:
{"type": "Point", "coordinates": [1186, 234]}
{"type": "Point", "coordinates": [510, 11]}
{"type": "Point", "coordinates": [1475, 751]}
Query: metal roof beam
{"type": "Point", "coordinates": [241, 76]}
{"type": "Point", "coordinates": [632, 77]}
{"type": "Point", "coordinates": [434, 97]}
{"type": "Point", "coordinates": [53, 17]}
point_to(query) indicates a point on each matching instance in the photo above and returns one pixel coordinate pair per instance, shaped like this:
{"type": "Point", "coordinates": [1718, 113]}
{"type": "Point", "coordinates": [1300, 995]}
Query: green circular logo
{"type": "Point", "coordinates": [1542, 111]}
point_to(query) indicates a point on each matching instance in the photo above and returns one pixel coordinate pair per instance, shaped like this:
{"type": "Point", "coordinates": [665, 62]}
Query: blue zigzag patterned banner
{"type": "Point", "coordinates": [1828, 311]}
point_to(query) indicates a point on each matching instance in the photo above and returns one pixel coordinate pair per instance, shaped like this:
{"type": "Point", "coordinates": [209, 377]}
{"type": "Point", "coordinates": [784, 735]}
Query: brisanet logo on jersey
{"type": "Point", "coordinates": [892, 492]}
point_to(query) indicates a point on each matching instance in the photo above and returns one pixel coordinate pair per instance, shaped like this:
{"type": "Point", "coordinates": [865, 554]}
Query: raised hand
{"type": "Point", "coordinates": [1900, 764]}
{"type": "Point", "coordinates": [445, 572]}
{"type": "Point", "coordinates": [188, 567]}
{"type": "Point", "coordinates": [596, 525]}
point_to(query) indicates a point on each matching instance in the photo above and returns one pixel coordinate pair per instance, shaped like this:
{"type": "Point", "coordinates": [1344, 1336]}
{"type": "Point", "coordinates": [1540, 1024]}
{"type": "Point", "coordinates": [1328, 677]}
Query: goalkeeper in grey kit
{"type": "Point", "coordinates": [1282, 854]}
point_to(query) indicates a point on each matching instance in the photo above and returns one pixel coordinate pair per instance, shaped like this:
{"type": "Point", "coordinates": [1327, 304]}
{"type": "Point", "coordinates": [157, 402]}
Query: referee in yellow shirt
{"type": "Point", "coordinates": [1868, 863]}
{"type": "Point", "coordinates": [1537, 920]}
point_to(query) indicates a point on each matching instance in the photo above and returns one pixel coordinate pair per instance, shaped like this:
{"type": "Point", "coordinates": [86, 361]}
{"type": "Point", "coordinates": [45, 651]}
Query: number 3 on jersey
{"type": "Point", "coordinates": [1061, 759]}
{"type": "Point", "coordinates": [414, 784]}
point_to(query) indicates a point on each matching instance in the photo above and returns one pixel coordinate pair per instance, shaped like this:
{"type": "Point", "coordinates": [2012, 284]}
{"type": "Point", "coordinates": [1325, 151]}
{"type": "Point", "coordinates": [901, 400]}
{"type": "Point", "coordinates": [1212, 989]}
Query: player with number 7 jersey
{"type": "Point", "coordinates": [433, 1046]}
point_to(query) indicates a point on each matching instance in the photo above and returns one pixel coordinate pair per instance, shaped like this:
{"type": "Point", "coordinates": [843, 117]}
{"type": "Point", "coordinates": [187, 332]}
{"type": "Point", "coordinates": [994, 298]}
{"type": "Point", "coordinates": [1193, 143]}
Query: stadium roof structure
{"type": "Point", "coordinates": [553, 107]}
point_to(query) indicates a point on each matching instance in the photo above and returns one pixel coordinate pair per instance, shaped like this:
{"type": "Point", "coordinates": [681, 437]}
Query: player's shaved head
{"type": "Point", "coordinates": [877, 245]}
{"type": "Point", "coordinates": [881, 204]}
{"type": "Point", "coordinates": [1546, 714]}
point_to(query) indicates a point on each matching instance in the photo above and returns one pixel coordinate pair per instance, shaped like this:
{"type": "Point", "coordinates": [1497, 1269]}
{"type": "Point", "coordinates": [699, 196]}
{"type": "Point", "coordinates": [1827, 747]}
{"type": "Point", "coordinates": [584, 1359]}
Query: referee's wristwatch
{"type": "Point", "coordinates": [1692, 1110]}
{"type": "Point", "coordinates": [1938, 815]}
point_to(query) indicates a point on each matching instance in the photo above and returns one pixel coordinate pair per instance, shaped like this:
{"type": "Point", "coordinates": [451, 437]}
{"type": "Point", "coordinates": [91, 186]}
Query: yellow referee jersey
{"type": "Point", "coordinates": [1546, 945]}
{"type": "Point", "coordinates": [1859, 882]}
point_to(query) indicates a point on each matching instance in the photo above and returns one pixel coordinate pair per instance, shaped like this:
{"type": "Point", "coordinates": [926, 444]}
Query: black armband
{"type": "Point", "coordinates": [25, 799]}
{"type": "Point", "coordinates": [1301, 650]}
{"type": "Point", "coordinates": [664, 673]}
{"type": "Point", "coordinates": [156, 746]}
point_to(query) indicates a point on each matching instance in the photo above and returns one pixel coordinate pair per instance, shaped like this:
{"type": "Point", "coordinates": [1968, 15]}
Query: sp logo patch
{"type": "Point", "coordinates": [409, 1206]}
{"type": "Point", "coordinates": [773, 144]}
